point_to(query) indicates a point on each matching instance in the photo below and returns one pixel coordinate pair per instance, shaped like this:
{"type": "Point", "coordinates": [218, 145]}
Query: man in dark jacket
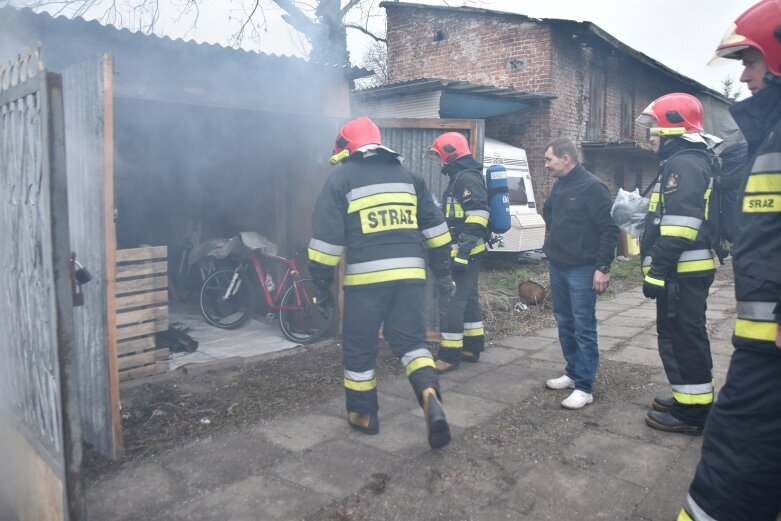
{"type": "Point", "coordinates": [382, 217]}
{"type": "Point", "coordinates": [466, 209]}
{"type": "Point", "coordinates": [678, 263]}
{"type": "Point", "coordinates": [580, 247]}
{"type": "Point", "coordinates": [739, 475]}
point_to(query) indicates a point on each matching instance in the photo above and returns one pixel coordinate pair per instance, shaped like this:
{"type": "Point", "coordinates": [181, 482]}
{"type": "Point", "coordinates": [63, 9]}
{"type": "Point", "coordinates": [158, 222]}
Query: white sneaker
{"type": "Point", "coordinates": [577, 400]}
{"type": "Point", "coordinates": [562, 382]}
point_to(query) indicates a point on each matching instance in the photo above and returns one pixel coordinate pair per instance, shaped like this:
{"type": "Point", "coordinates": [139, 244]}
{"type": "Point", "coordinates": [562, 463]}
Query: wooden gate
{"type": "Point", "coordinates": [40, 452]}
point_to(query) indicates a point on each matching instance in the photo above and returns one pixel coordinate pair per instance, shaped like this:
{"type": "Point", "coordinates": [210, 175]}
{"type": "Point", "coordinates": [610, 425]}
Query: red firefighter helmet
{"type": "Point", "coordinates": [354, 135]}
{"type": "Point", "coordinates": [450, 146]}
{"type": "Point", "coordinates": [759, 27]}
{"type": "Point", "coordinates": [677, 113]}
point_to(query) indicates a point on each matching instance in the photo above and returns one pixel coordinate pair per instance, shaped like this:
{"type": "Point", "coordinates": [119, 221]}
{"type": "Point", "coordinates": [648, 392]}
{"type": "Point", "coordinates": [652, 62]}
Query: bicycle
{"type": "Point", "coordinates": [227, 298]}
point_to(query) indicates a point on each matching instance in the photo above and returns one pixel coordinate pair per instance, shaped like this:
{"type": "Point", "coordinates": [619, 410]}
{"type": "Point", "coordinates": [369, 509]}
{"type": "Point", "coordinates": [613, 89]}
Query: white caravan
{"type": "Point", "coordinates": [527, 232]}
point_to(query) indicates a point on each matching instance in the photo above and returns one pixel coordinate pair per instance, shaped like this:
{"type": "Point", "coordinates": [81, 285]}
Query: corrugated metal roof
{"type": "Point", "coordinates": [461, 87]}
{"type": "Point", "coordinates": [94, 29]}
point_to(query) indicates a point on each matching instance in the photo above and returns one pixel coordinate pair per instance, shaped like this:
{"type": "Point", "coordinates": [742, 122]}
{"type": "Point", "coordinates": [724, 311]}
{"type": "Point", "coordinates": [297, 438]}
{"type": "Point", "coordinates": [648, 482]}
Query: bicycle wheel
{"type": "Point", "coordinates": [303, 323]}
{"type": "Point", "coordinates": [230, 312]}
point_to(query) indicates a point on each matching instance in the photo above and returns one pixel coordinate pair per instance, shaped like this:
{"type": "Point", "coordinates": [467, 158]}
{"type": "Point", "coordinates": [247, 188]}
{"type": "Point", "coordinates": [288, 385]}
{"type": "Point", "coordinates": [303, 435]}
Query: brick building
{"type": "Point", "coordinates": [588, 85]}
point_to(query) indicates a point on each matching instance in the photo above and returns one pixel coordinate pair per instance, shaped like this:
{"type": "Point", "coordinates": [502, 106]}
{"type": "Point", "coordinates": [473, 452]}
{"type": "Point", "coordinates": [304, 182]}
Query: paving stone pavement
{"type": "Point", "coordinates": [614, 467]}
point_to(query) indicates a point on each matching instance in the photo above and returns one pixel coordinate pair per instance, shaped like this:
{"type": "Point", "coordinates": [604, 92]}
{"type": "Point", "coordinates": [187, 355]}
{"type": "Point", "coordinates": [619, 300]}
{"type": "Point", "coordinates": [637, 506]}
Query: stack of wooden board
{"type": "Point", "coordinates": [142, 311]}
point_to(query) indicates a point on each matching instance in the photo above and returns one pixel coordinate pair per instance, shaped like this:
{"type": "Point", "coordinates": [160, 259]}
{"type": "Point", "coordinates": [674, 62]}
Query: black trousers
{"type": "Point", "coordinates": [685, 349]}
{"type": "Point", "coordinates": [399, 308]}
{"type": "Point", "coordinates": [461, 317]}
{"type": "Point", "coordinates": [739, 475]}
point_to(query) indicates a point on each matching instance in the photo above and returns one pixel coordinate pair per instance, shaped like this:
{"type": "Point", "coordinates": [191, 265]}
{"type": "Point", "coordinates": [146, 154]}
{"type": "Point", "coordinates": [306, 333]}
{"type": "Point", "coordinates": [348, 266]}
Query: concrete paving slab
{"type": "Point", "coordinates": [531, 369]}
{"type": "Point", "coordinates": [641, 312]}
{"type": "Point", "coordinates": [602, 314]}
{"type": "Point", "coordinates": [390, 404]}
{"type": "Point", "coordinates": [621, 320]}
{"type": "Point", "coordinates": [499, 387]}
{"type": "Point", "coordinates": [497, 355]}
{"type": "Point", "coordinates": [555, 491]}
{"type": "Point", "coordinates": [404, 434]}
{"type": "Point", "coordinates": [666, 498]}
{"type": "Point", "coordinates": [109, 499]}
{"type": "Point", "coordinates": [607, 343]}
{"type": "Point", "coordinates": [628, 420]}
{"type": "Point", "coordinates": [635, 355]}
{"type": "Point", "coordinates": [619, 331]}
{"type": "Point", "coordinates": [212, 463]}
{"type": "Point", "coordinates": [620, 457]}
{"type": "Point", "coordinates": [644, 340]}
{"type": "Point", "coordinates": [527, 343]}
{"type": "Point", "coordinates": [551, 353]}
{"type": "Point", "coordinates": [303, 432]}
{"type": "Point", "coordinates": [465, 372]}
{"type": "Point", "coordinates": [265, 497]}
{"type": "Point", "coordinates": [548, 332]}
{"type": "Point", "coordinates": [335, 468]}
{"type": "Point", "coordinates": [467, 411]}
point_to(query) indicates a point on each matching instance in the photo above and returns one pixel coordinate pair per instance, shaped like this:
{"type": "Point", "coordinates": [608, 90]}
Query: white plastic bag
{"type": "Point", "coordinates": [629, 211]}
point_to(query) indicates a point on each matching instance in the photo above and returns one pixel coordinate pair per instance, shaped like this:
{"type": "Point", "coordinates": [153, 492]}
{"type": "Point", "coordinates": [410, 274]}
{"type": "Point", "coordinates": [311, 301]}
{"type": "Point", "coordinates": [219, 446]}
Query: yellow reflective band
{"type": "Point", "coordinates": [654, 282]}
{"type": "Point", "coordinates": [323, 258]}
{"type": "Point", "coordinates": [367, 385]}
{"type": "Point", "coordinates": [419, 363]}
{"type": "Point", "coordinates": [693, 399]}
{"type": "Point", "coordinates": [478, 331]}
{"type": "Point", "coordinates": [451, 344]}
{"type": "Point", "coordinates": [763, 183]}
{"type": "Point", "coordinates": [380, 199]}
{"type": "Point", "coordinates": [652, 206]}
{"type": "Point", "coordinates": [655, 197]}
{"type": "Point", "coordinates": [388, 217]}
{"type": "Point", "coordinates": [459, 260]}
{"type": "Point", "coordinates": [707, 202]}
{"type": "Point", "coordinates": [697, 265]}
{"type": "Point", "coordinates": [454, 210]}
{"type": "Point", "coordinates": [376, 277]}
{"type": "Point", "coordinates": [683, 515]}
{"type": "Point", "coordinates": [477, 219]}
{"type": "Point", "coordinates": [770, 203]}
{"type": "Point", "coordinates": [755, 330]}
{"type": "Point", "coordinates": [646, 269]}
{"type": "Point", "coordinates": [678, 231]}
{"type": "Point", "coordinates": [438, 241]}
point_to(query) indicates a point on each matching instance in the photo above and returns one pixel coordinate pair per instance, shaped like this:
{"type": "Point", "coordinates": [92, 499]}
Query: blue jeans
{"type": "Point", "coordinates": [574, 306]}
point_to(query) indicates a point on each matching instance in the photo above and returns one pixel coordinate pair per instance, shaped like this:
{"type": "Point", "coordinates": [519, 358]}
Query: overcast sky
{"type": "Point", "coordinates": [681, 34]}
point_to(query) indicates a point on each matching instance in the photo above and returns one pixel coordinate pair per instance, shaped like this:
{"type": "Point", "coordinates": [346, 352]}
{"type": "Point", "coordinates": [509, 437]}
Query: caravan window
{"type": "Point", "coordinates": [517, 190]}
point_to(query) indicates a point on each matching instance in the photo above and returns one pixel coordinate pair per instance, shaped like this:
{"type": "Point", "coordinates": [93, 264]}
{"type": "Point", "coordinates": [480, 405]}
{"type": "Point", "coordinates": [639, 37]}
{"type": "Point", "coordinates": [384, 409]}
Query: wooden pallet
{"type": "Point", "coordinates": [141, 311]}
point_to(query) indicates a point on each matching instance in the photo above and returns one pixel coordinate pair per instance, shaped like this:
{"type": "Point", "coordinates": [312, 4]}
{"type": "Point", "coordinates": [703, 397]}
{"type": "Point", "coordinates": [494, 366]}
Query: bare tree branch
{"type": "Point", "coordinates": [365, 31]}
{"type": "Point", "coordinates": [295, 17]}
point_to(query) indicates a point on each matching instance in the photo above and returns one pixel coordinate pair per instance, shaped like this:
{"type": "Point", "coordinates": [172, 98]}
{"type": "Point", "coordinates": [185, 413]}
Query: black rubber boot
{"type": "Point", "coordinates": [663, 403]}
{"type": "Point", "coordinates": [468, 356]}
{"type": "Point", "coordinates": [436, 424]}
{"type": "Point", "coordinates": [666, 422]}
{"type": "Point", "coordinates": [361, 423]}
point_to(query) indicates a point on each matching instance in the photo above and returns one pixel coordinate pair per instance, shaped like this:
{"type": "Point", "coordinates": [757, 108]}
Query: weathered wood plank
{"type": "Point", "coordinates": [137, 270]}
{"type": "Point", "coordinates": [145, 253]}
{"type": "Point", "coordinates": [147, 370]}
{"type": "Point", "coordinates": [137, 285]}
{"type": "Point", "coordinates": [135, 345]}
{"type": "Point", "coordinates": [141, 299]}
{"type": "Point", "coordinates": [140, 359]}
{"type": "Point", "coordinates": [142, 329]}
{"type": "Point", "coordinates": [142, 315]}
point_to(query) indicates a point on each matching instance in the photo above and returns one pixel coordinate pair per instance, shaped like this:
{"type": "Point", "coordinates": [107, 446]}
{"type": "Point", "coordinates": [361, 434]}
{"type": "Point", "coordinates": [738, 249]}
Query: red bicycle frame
{"type": "Point", "coordinates": [291, 272]}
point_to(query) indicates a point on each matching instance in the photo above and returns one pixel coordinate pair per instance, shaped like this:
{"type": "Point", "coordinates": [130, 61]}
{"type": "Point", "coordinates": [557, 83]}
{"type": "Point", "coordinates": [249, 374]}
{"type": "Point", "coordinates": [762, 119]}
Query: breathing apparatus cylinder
{"type": "Point", "coordinates": [498, 199]}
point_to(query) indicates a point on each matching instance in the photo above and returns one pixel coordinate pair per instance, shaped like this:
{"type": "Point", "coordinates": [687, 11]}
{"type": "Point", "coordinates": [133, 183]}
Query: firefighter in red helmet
{"type": "Point", "coordinates": [739, 474]}
{"type": "Point", "coordinates": [677, 259]}
{"type": "Point", "coordinates": [382, 218]}
{"type": "Point", "coordinates": [465, 202]}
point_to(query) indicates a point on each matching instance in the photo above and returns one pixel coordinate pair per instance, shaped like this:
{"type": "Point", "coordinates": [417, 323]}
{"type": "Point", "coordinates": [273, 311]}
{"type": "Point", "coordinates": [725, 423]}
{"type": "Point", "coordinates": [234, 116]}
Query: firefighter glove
{"type": "Point", "coordinates": [651, 291]}
{"type": "Point", "coordinates": [323, 300]}
{"type": "Point", "coordinates": [458, 268]}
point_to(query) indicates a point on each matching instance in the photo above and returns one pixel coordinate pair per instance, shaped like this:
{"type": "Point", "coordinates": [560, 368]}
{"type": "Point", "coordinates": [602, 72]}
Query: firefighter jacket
{"type": "Point", "coordinates": [382, 215]}
{"type": "Point", "coordinates": [757, 247]}
{"type": "Point", "coordinates": [676, 241]}
{"type": "Point", "coordinates": [577, 214]}
{"type": "Point", "coordinates": [465, 202]}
